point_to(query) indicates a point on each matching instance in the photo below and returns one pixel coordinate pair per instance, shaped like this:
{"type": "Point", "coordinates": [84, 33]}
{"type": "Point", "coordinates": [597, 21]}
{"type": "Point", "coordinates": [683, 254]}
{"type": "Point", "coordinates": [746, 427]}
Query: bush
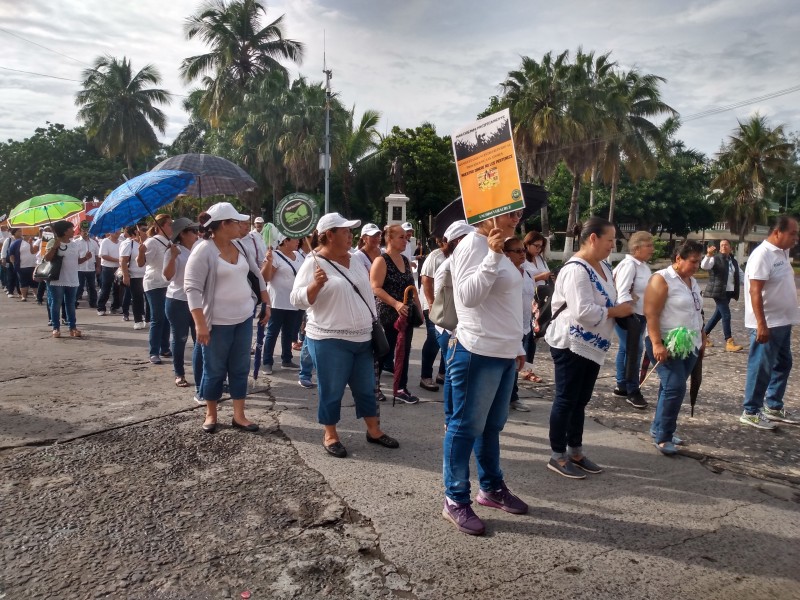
{"type": "Point", "coordinates": [661, 249]}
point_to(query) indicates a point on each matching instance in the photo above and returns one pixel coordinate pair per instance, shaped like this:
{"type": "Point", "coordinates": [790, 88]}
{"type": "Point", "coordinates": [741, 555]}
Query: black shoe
{"type": "Point", "coordinates": [379, 396]}
{"type": "Point", "coordinates": [619, 392]}
{"type": "Point", "coordinates": [251, 427]}
{"type": "Point", "coordinates": [406, 396]}
{"type": "Point", "coordinates": [167, 354]}
{"type": "Point", "coordinates": [336, 449]}
{"type": "Point", "coordinates": [209, 428]}
{"type": "Point", "coordinates": [636, 400]}
{"type": "Point", "coordinates": [428, 384]}
{"type": "Point", "coordinates": [384, 440]}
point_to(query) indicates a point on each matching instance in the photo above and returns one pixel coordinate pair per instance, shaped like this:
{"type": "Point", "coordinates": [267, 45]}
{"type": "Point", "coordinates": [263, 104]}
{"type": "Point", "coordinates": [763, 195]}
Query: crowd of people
{"type": "Point", "coordinates": [351, 314]}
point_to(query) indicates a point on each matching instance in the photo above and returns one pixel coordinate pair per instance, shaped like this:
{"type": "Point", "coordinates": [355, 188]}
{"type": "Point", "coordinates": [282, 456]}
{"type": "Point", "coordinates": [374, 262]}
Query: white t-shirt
{"type": "Point", "coordinates": [130, 248]}
{"type": "Point", "coordinates": [770, 264]}
{"type": "Point", "coordinates": [280, 286]}
{"type": "Point", "coordinates": [27, 257]}
{"type": "Point", "coordinates": [155, 248]}
{"type": "Point", "coordinates": [109, 247]}
{"type": "Point", "coordinates": [85, 246]}
{"type": "Point", "coordinates": [175, 287]}
{"type": "Point", "coordinates": [631, 273]}
{"type": "Point", "coordinates": [429, 267]}
{"type": "Point", "coordinates": [363, 259]}
{"type": "Point", "coordinates": [257, 243]}
{"type": "Point", "coordinates": [442, 272]}
{"type": "Point", "coordinates": [69, 265]}
{"type": "Point", "coordinates": [233, 298]}
{"type": "Point", "coordinates": [528, 291]}
{"type": "Point", "coordinates": [536, 267]}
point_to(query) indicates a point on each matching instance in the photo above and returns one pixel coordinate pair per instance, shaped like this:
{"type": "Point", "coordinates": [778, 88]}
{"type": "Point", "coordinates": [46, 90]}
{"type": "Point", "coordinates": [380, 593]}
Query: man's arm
{"type": "Point", "coordinates": [757, 303]}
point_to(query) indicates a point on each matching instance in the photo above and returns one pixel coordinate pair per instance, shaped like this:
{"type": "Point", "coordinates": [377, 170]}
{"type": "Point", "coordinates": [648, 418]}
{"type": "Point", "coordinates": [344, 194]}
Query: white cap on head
{"type": "Point", "coordinates": [332, 220]}
{"type": "Point", "coordinates": [407, 226]}
{"type": "Point", "coordinates": [369, 229]}
{"type": "Point", "coordinates": [258, 220]}
{"type": "Point", "coordinates": [457, 229]}
{"type": "Point", "coordinates": [222, 211]}
{"type": "Point", "coordinates": [277, 237]}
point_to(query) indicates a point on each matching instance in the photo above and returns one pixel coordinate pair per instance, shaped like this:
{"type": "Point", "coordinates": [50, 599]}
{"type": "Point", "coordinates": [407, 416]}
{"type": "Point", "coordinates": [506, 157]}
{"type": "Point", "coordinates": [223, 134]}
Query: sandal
{"type": "Point", "coordinates": [56, 333]}
{"type": "Point", "coordinates": [75, 333]}
{"type": "Point", "coordinates": [181, 382]}
{"type": "Point", "coordinates": [297, 345]}
{"type": "Point", "coordinates": [531, 376]}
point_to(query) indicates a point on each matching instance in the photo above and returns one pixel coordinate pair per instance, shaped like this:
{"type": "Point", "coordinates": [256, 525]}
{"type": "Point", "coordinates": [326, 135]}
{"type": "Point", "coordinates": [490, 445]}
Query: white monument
{"type": "Point", "coordinates": [396, 208]}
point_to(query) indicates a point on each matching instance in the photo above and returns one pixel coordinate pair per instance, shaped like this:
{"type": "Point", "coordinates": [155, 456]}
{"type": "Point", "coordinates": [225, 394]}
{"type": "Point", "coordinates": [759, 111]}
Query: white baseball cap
{"type": "Point", "coordinates": [407, 226]}
{"type": "Point", "coordinates": [332, 220]}
{"type": "Point", "coordinates": [258, 220]}
{"type": "Point", "coordinates": [222, 211]}
{"type": "Point", "coordinates": [457, 229]}
{"type": "Point", "coordinates": [369, 229]}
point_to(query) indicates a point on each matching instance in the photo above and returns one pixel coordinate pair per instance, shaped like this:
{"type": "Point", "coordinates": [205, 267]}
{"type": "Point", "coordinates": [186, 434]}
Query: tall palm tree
{"type": "Point", "coordinates": [241, 51]}
{"type": "Point", "coordinates": [303, 133]}
{"type": "Point", "coordinates": [355, 142]}
{"type": "Point", "coordinates": [754, 153]}
{"type": "Point", "coordinates": [631, 100]}
{"type": "Point", "coordinates": [119, 109]}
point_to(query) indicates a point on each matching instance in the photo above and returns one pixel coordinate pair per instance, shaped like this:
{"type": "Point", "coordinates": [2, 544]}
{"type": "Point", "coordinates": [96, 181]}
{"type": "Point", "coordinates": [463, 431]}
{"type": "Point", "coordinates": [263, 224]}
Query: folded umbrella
{"type": "Point", "coordinates": [402, 325]}
{"type": "Point", "coordinates": [695, 380]}
{"type": "Point", "coordinates": [138, 198]}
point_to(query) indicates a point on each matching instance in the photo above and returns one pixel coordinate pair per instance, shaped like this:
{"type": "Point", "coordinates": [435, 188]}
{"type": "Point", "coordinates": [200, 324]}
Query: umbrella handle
{"type": "Point", "coordinates": [409, 290]}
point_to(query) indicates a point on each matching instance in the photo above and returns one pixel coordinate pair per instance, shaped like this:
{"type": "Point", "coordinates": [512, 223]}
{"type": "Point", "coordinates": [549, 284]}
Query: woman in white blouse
{"type": "Point", "coordinates": [151, 257]}
{"type": "Point", "coordinates": [335, 291]}
{"type": "Point", "coordinates": [535, 245]}
{"type": "Point", "coordinates": [584, 308]}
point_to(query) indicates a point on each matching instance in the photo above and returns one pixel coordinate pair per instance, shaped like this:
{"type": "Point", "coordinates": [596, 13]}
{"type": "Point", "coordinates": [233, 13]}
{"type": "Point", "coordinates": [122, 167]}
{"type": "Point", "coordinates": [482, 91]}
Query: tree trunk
{"type": "Point", "coordinates": [613, 200]}
{"type": "Point", "coordinates": [591, 190]}
{"type": "Point", "coordinates": [130, 165]}
{"type": "Point", "coordinates": [545, 221]}
{"type": "Point", "coordinates": [573, 215]}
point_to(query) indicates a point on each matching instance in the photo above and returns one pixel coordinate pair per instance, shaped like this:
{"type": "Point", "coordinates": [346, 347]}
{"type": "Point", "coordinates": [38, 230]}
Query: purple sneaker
{"type": "Point", "coordinates": [503, 499]}
{"type": "Point", "coordinates": [464, 518]}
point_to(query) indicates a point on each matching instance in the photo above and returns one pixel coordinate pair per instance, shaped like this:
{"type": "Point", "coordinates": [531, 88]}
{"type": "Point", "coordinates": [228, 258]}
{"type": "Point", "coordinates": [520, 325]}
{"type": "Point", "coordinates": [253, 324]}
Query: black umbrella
{"type": "Point", "coordinates": [535, 197]}
{"type": "Point", "coordinates": [695, 380]}
{"type": "Point", "coordinates": [213, 175]}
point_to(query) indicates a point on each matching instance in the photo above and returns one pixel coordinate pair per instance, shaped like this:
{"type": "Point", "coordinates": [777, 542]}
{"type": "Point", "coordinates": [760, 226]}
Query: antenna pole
{"type": "Point", "coordinates": [328, 75]}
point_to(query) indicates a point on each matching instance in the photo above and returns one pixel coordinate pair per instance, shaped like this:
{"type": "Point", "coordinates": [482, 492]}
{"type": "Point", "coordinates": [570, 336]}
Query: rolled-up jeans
{"type": "Point", "coordinates": [227, 355]}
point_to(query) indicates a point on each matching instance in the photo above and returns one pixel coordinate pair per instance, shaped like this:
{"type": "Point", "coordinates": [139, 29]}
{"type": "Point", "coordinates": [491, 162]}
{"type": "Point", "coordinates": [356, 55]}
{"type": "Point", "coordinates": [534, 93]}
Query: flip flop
{"type": "Point", "coordinates": [181, 382]}
{"type": "Point", "coordinates": [532, 377]}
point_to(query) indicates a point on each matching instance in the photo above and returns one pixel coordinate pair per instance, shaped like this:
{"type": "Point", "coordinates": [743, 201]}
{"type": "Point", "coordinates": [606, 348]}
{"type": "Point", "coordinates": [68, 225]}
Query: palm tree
{"type": "Point", "coordinates": [119, 109]}
{"type": "Point", "coordinates": [357, 143]}
{"type": "Point", "coordinates": [631, 99]}
{"type": "Point", "coordinates": [241, 51]}
{"type": "Point", "coordinates": [303, 132]}
{"type": "Point", "coordinates": [754, 153]}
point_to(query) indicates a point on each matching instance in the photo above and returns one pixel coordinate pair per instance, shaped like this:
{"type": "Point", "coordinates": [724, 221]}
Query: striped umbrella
{"type": "Point", "coordinates": [213, 175]}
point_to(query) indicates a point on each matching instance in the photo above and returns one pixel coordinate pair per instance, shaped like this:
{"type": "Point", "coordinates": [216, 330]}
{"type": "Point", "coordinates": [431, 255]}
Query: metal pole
{"type": "Point", "coordinates": [328, 75]}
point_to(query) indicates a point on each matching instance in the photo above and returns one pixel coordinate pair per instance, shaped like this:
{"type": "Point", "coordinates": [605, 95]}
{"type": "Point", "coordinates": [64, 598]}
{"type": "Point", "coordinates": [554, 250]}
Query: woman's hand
{"type": "Point", "coordinates": [620, 310]}
{"type": "Point", "coordinates": [401, 309]}
{"type": "Point", "coordinates": [315, 287]}
{"type": "Point", "coordinates": [496, 240]}
{"type": "Point", "coordinates": [174, 251]}
{"type": "Point", "coordinates": [203, 335]}
{"type": "Point", "coordinates": [126, 280]}
{"type": "Point", "coordinates": [660, 352]}
{"type": "Point", "coordinates": [520, 361]}
{"type": "Point", "coordinates": [266, 312]}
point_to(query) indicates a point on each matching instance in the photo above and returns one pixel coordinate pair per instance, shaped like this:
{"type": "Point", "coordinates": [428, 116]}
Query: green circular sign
{"type": "Point", "coordinates": [297, 215]}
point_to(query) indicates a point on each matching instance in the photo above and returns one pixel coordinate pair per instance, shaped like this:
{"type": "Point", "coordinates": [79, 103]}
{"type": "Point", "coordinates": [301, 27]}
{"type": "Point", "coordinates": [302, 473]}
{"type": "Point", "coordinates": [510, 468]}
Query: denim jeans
{"type": "Point", "coordinates": [480, 388]}
{"type": "Point", "coordinates": [444, 345]}
{"type": "Point", "coordinates": [87, 281]}
{"type": "Point", "coordinates": [287, 324]}
{"type": "Point", "coordinates": [722, 311]}
{"type": "Point", "coordinates": [306, 363]}
{"type": "Point", "coordinates": [108, 288]}
{"type": "Point", "coordinates": [575, 377]}
{"type": "Point", "coordinates": [340, 363]}
{"type": "Point", "coordinates": [673, 374]}
{"type": "Point", "coordinates": [768, 368]}
{"type": "Point", "coordinates": [227, 355]}
{"type": "Point", "coordinates": [629, 385]}
{"type": "Point", "coordinates": [159, 324]}
{"type": "Point", "coordinates": [181, 324]}
{"type": "Point", "coordinates": [430, 350]}
{"type": "Point", "coordinates": [58, 295]}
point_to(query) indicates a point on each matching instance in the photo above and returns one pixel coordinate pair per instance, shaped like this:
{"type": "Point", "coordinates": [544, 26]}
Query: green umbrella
{"type": "Point", "coordinates": [44, 209]}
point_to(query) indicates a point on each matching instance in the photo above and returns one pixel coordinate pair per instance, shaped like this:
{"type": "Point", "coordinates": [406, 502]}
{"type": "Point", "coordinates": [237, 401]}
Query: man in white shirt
{"type": "Point", "coordinates": [255, 239]}
{"type": "Point", "coordinates": [109, 263]}
{"type": "Point", "coordinates": [770, 310]}
{"type": "Point", "coordinates": [87, 271]}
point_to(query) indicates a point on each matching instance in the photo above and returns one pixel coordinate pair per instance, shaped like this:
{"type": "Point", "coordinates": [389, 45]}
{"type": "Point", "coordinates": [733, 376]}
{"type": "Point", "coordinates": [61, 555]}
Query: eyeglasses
{"type": "Point", "coordinates": [516, 251]}
{"type": "Point", "coordinates": [697, 303]}
{"type": "Point", "coordinates": [517, 214]}
{"type": "Point", "coordinates": [537, 245]}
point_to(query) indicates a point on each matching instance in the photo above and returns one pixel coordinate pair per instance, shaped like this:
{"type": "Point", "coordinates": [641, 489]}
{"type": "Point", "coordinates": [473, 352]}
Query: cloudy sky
{"type": "Point", "coordinates": [422, 60]}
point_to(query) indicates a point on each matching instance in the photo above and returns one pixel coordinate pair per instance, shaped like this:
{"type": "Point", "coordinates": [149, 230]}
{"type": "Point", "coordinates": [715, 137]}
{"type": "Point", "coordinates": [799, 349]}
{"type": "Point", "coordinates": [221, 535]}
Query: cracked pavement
{"type": "Point", "coordinates": [110, 490]}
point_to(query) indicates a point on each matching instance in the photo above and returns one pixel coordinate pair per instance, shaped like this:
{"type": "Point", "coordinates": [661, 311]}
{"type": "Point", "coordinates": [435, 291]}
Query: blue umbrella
{"type": "Point", "coordinates": [91, 213]}
{"type": "Point", "coordinates": [138, 198]}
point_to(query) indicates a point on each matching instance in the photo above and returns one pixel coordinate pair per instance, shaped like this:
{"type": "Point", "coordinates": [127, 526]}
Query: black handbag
{"type": "Point", "coordinates": [49, 270]}
{"type": "Point", "coordinates": [380, 345]}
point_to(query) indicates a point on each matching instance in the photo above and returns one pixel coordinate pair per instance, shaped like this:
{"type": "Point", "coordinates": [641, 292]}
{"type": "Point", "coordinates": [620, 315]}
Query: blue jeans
{"type": "Point", "coordinates": [340, 363]}
{"type": "Point", "coordinates": [430, 350]}
{"type": "Point", "coordinates": [671, 390]}
{"type": "Point", "coordinates": [444, 344]}
{"type": "Point", "coordinates": [159, 325]}
{"type": "Point", "coordinates": [722, 311]}
{"type": "Point", "coordinates": [480, 387]}
{"type": "Point", "coordinates": [306, 364]}
{"type": "Point", "coordinates": [287, 324]}
{"type": "Point", "coordinates": [181, 324]}
{"type": "Point", "coordinates": [629, 385]}
{"type": "Point", "coordinates": [768, 368]}
{"type": "Point", "coordinates": [58, 295]}
{"type": "Point", "coordinates": [575, 377]}
{"type": "Point", "coordinates": [227, 355]}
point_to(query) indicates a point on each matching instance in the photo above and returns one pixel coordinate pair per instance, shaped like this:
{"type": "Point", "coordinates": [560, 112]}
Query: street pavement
{"type": "Point", "coordinates": [109, 489]}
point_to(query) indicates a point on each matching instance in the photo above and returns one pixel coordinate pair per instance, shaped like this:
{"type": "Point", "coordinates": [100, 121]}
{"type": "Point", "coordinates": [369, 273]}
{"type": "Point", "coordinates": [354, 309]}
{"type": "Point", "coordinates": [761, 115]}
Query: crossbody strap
{"type": "Point", "coordinates": [288, 262]}
{"type": "Point", "coordinates": [355, 287]}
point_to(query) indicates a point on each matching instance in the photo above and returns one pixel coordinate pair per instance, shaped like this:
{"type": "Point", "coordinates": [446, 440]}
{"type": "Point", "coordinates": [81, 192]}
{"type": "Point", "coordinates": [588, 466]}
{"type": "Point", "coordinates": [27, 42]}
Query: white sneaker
{"type": "Point", "coordinates": [101, 313]}
{"type": "Point", "coordinates": [138, 325]}
{"type": "Point", "coordinates": [758, 420]}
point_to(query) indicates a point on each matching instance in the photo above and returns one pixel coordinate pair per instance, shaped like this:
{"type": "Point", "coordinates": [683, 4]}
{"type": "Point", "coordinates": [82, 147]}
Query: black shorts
{"type": "Point", "coordinates": [25, 277]}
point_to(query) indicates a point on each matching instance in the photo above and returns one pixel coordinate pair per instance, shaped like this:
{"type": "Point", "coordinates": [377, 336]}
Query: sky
{"type": "Point", "coordinates": [421, 61]}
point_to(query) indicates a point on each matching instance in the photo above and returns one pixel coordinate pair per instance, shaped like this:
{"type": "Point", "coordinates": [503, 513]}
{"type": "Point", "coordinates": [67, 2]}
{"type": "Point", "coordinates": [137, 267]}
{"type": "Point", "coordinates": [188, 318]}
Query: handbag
{"type": "Point", "coordinates": [443, 309]}
{"type": "Point", "coordinates": [414, 315]}
{"type": "Point", "coordinates": [252, 279]}
{"type": "Point", "coordinates": [49, 270]}
{"type": "Point", "coordinates": [380, 345]}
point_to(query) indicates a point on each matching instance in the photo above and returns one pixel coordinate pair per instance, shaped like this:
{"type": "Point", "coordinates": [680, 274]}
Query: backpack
{"type": "Point", "coordinates": [542, 309]}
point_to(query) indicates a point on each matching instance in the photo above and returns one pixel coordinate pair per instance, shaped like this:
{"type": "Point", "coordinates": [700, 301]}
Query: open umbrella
{"type": "Point", "coordinates": [402, 325]}
{"type": "Point", "coordinates": [213, 175]}
{"type": "Point", "coordinates": [138, 198]}
{"type": "Point", "coordinates": [535, 197]}
{"type": "Point", "coordinates": [44, 209]}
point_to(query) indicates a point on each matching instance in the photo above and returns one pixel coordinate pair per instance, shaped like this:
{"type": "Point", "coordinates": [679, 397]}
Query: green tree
{"type": "Point", "coordinates": [355, 143]}
{"type": "Point", "coordinates": [120, 110]}
{"type": "Point", "coordinates": [241, 51]}
{"type": "Point", "coordinates": [755, 152]}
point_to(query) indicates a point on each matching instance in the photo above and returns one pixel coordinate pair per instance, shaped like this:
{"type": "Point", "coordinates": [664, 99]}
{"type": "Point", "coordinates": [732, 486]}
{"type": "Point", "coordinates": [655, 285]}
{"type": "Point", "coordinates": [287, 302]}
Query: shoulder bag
{"type": "Point", "coordinates": [443, 309]}
{"type": "Point", "coordinates": [49, 270]}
